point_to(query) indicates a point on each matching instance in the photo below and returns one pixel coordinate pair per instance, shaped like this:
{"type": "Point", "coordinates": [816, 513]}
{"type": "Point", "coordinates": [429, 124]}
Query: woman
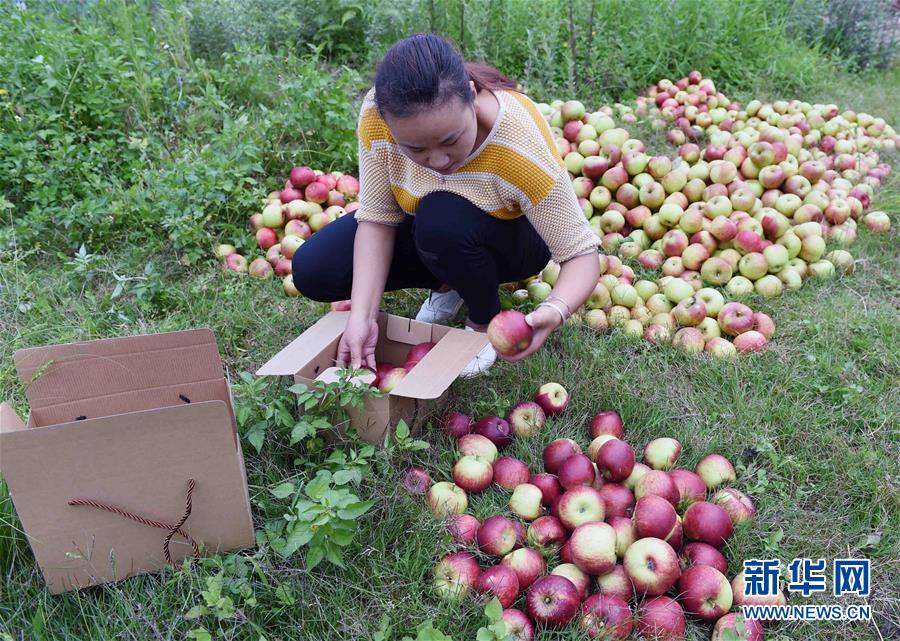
{"type": "Point", "coordinates": [461, 189]}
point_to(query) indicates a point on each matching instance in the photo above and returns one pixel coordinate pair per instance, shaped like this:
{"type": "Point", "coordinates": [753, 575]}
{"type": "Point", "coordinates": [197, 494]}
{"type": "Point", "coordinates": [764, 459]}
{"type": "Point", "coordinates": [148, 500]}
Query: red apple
{"type": "Point", "coordinates": [659, 483]}
{"type": "Point", "coordinates": [737, 589]}
{"type": "Point", "coordinates": [509, 333]}
{"type": "Point", "coordinates": [708, 523]}
{"type": "Point", "coordinates": [652, 565]}
{"type": "Point", "coordinates": [553, 398]}
{"type": "Point", "coordinates": [456, 424]}
{"type": "Point", "coordinates": [653, 516]}
{"type": "Point", "coordinates": [552, 601]}
{"type": "Point", "coordinates": [525, 501]}
{"type": "Point", "coordinates": [463, 528]}
{"type": "Point", "coordinates": [456, 575]}
{"type": "Point", "coordinates": [581, 504]}
{"type": "Point", "coordinates": [417, 353]}
{"type": "Point", "coordinates": [615, 460]}
{"type": "Point", "coordinates": [416, 481]}
{"type": "Point", "coordinates": [691, 487]}
{"type": "Point", "coordinates": [705, 592]}
{"type": "Point", "coordinates": [660, 619]}
{"type": "Point", "coordinates": [617, 500]}
{"type": "Point", "coordinates": [606, 617]}
{"type": "Point", "coordinates": [445, 498]}
{"type": "Point", "coordinates": [558, 451]}
{"type": "Point", "coordinates": [735, 318]}
{"type": "Point", "coordinates": [702, 554]}
{"type": "Point", "coordinates": [526, 419]}
{"type": "Point", "coordinates": [501, 582]}
{"type": "Point", "coordinates": [715, 470]}
{"type": "Point", "coordinates": [546, 534]}
{"type": "Point", "coordinates": [594, 547]}
{"type": "Point", "coordinates": [302, 176]}
{"type": "Point", "coordinates": [391, 379]}
{"type": "Point", "coordinates": [510, 472]}
{"type": "Point", "coordinates": [518, 625]}
{"type": "Point", "coordinates": [473, 474]}
{"type": "Point", "coordinates": [738, 505]}
{"type": "Point", "coordinates": [661, 453]}
{"type": "Point", "coordinates": [616, 583]}
{"type": "Point", "coordinates": [576, 470]}
{"type": "Point", "coordinates": [477, 445]}
{"type": "Point", "coordinates": [528, 565]}
{"type": "Point", "coordinates": [496, 536]}
{"type": "Point", "coordinates": [549, 485]}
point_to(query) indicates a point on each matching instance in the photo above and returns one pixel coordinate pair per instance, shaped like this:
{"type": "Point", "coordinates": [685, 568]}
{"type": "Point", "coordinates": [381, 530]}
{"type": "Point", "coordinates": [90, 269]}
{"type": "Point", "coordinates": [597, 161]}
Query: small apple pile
{"type": "Point", "coordinates": [309, 201]}
{"type": "Point", "coordinates": [596, 538]}
{"type": "Point", "coordinates": [388, 375]}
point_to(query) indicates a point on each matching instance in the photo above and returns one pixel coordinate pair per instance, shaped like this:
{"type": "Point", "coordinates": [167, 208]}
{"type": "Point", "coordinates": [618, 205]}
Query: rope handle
{"type": "Point", "coordinates": [172, 529]}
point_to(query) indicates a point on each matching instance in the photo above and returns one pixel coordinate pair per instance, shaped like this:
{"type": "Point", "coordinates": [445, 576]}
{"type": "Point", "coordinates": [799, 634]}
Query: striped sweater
{"type": "Point", "coordinates": [516, 171]}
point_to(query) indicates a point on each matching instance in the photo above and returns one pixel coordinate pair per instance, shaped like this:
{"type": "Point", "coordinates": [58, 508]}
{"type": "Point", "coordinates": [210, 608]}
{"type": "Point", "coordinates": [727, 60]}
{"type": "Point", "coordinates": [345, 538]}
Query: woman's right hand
{"type": "Point", "coordinates": [357, 346]}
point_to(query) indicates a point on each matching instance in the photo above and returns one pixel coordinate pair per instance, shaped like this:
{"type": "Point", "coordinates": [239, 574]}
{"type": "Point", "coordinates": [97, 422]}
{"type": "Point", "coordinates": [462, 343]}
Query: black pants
{"type": "Point", "coordinates": [449, 241]}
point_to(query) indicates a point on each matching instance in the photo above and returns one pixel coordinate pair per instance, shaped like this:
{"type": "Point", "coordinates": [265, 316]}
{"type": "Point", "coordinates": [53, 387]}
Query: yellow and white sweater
{"type": "Point", "coordinates": [516, 171]}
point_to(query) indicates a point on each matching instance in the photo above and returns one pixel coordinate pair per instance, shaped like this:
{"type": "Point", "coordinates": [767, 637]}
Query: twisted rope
{"type": "Point", "coordinates": [172, 529]}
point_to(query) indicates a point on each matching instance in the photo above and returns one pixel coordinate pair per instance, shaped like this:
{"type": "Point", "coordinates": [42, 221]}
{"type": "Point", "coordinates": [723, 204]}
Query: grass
{"type": "Point", "coordinates": [811, 423]}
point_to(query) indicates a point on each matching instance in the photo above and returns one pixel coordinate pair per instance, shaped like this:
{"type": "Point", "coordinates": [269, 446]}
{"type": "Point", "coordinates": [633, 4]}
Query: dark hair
{"type": "Point", "coordinates": [425, 69]}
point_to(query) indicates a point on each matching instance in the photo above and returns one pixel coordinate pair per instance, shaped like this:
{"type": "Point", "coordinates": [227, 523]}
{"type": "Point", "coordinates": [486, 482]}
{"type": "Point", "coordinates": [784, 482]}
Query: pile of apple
{"type": "Point", "coordinates": [309, 201]}
{"type": "Point", "coordinates": [750, 213]}
{"type": "Point", "coordinates": [388, 375]}
{"type": "Point", "coordinates": [633, 546]}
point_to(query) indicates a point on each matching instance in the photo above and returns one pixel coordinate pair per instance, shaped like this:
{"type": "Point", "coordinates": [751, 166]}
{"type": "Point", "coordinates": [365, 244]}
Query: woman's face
{"type": "Point", "coordinates": [439, 138]}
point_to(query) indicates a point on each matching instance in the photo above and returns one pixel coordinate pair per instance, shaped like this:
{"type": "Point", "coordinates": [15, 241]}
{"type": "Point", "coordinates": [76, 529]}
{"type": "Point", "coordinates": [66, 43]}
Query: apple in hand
{"type": "Point", "coordinates": [552, 601]}
{"type": "Point", "coordinates": [526, 419]}
{"type": "Point", "coordinates": [593, 547]}
{"type": "Point", "coordinates": [472, 474]}
{"type": "Point", "coordinates": [606, 617]}
{"type": "Point", "coordinates": [546, 534]}
{"type": "Point", "coordinates": [660, 619]}
{"type": "Point", "coordinates": [653, 516]}
{"type": "Point", "coordinates": [705, 592]}
{"type": "Point", "coordinates": [607, 422]}
{"type": "Point", "coordinates": [509, 333]}
{"type": "Point", "coordinates": [499, 581]}
{"type": "Point", "coordinates": [652, 565]}
{"type": "Point", "coordinates": [456, 575]}
{"type": "Point", "coordinates": [525, 502]}
{"type": "Point", "coordinates": [528, 565]}
{"type": "Point", "coordinates": [615, 460]}
{"type": "Point", "coordinates": [553, 398]}
{"type": "Point", "coordinates": [510, 472]}
{"type": "Point", "coordinates": [495, 429]}
{"type": "Point", "coordinates": [496, 536]}
{"type": "Point", "coordinates": [445, 498]}
{"type": "Point", "coordinates": [708, 523]}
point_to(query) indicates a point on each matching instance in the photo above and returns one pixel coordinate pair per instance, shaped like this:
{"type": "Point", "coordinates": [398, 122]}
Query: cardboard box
{"type": "Point", "coordinates": [315, 351]}
{"type": "Point", "coordinates": [124, 423]}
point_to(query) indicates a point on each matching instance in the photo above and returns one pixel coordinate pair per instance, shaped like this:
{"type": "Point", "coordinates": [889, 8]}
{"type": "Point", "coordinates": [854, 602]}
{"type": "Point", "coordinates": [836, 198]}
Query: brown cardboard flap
{"type": "Point", "coordinates": [139, 462]}
{"type": "Point", "coordinates": [93, 369]}
{"type": "Point", "coordinates": [440, 366]}
{"type": "Point", "coordinates": [9, 420]}
{"type": "Point", "coordinates": [406, 330]}
{"type": "Point", "coordinates": [306, 347]}
{"type": "Point", "coordinates": [133, 401]}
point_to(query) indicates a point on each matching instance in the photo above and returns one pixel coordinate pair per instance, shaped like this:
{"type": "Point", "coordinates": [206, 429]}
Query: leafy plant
{"type": "Point", "coordinates": [496, 629]}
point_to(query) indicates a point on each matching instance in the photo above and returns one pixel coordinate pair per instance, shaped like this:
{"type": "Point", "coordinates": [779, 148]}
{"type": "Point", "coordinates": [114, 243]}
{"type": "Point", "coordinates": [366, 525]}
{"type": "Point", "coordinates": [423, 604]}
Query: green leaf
{"type": "Point", "coordinates": [283, 490]}
{"type": "Point", "coordinates": [196, 612]}
{"type": "Point", "coordinates": [493, 610]}
{"type": "Point", "coordinates": [314, 557]}
{"type": "Point", "coordinates": [256, 435]}
{"type": "Point", "coordinates": [402, 430]}
{"type": "Point", "coordinates": [355, 510]}
{"type": "Point", "coordinates": [485, 635]}
{"type": "Point", "coordinates": [200, 634]}
{"type": "Point", "coordinates": [316, 488]}
{"type": "Point", "coordinates": [342, 477]}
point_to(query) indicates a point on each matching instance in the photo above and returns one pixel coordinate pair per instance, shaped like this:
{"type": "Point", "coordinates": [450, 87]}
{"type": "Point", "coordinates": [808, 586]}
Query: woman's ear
{"type": "Point", "coordinates": [474, 90]}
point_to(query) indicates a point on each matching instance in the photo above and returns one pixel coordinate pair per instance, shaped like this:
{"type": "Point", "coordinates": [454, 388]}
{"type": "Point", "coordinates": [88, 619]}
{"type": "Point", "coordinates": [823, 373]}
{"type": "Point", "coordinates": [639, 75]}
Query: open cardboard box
{"type": "Point", "coordinates": [311, 355]}
{"type": "Point", "coordinates": [125, 422]}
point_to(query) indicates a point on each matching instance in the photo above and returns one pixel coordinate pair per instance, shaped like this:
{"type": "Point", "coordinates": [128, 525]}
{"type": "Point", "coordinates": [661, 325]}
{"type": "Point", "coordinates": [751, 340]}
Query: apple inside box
{"type": "Point", "coordinates": [313, 355]}
{"type": "Point", "coordinates": [138, 426]}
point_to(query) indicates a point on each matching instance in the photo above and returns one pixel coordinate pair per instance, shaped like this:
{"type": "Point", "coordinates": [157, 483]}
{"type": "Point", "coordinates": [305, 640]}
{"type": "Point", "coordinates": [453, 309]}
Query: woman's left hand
{"type": "Point", "coordinates": [543, 321]}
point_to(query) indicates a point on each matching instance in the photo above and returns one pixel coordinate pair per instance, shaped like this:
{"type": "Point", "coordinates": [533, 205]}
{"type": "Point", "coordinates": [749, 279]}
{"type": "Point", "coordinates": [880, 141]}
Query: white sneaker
{"type": "Point", "coordinates": [439, 308]}
{"type": "Point", "coordinates": [482, 361]}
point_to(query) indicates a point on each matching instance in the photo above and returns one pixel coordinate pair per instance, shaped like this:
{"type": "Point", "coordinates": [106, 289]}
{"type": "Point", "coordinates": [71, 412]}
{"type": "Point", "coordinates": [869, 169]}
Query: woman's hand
{"type": "Point", "coordinates": [357, 346]}
{"type": "Point", "coordinates": [543, 321]}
